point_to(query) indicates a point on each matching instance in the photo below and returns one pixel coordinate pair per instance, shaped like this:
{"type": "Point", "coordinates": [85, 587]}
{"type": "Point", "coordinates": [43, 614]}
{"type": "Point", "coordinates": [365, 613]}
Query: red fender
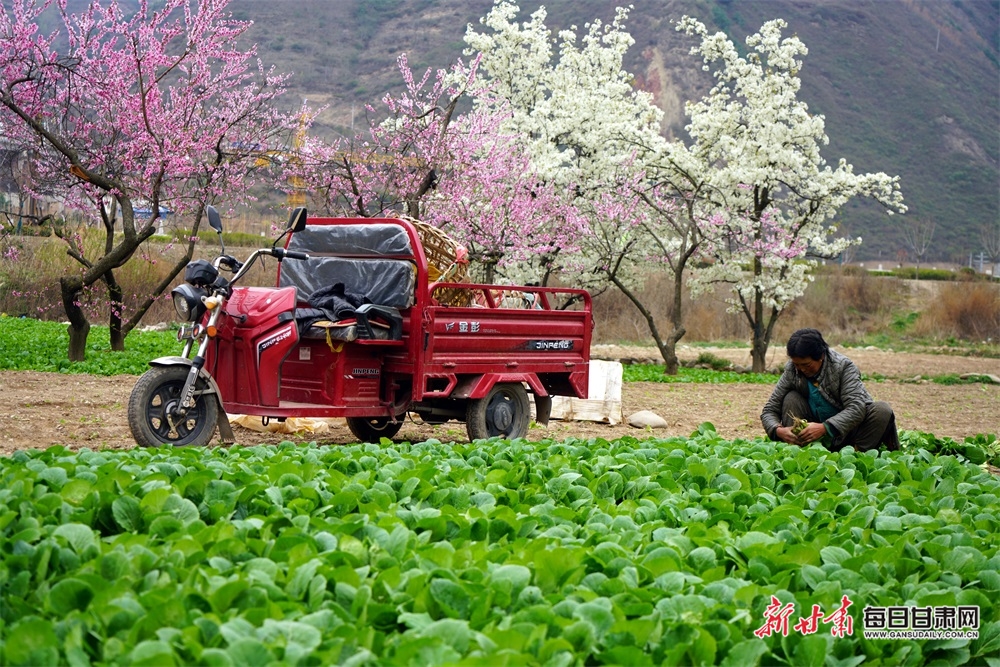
{"type": "Point", "coordinates": [479, 386]}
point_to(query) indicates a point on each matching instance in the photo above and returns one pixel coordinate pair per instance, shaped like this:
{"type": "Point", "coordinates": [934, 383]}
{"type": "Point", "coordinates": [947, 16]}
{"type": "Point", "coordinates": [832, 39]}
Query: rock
{"type": "Point", "coordinates": [647, 419]}
{"type": "Point", "coordinates": [982, 377]}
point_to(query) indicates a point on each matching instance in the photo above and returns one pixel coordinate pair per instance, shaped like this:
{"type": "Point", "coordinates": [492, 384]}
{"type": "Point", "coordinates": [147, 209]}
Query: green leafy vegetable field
{"type": "Point", "coordinates": [630, 552]}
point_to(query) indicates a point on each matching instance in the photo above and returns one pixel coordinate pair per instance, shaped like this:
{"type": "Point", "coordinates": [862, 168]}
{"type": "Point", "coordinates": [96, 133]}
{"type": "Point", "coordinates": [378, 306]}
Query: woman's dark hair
{"type": "Point", "coordinates": [807, 343]}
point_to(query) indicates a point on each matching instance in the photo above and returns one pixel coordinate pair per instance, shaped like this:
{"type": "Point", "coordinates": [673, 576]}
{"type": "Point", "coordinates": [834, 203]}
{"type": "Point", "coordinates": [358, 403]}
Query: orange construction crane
{"type": "Point", "coordinates": [297, 189]}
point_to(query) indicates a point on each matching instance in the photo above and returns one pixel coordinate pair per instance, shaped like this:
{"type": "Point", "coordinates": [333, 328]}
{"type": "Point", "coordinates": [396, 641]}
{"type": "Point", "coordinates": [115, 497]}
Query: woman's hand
{"type": "Point", "coordinates": [786, 434]}
{"type": "Point", "coordinates": [811, 433]}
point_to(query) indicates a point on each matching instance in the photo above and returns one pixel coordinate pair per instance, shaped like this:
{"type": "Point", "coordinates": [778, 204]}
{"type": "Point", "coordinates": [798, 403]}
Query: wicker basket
{"type": "Point", "coordinates": [447, 261]}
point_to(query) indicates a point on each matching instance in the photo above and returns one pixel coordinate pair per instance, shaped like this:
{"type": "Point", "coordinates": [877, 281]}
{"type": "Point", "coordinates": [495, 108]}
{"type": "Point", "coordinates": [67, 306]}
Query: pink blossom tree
{"type": "Point", "coordinates": [393, 163]}
{"type": "Point", "coordinates": [458, 171]}
{"type": "Point", "coordinates": [515, 223]}
{"type": "Point", "coordinates": [651, 219]}
{"type": "Point", "coordinates": [160, 108]}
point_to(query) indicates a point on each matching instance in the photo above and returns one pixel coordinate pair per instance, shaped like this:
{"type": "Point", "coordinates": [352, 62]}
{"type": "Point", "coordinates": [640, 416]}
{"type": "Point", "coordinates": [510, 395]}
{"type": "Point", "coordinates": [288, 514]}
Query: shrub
{"type": "Point", "coordinates": [923, 274]}
{"type": "Point", "coordinates": [844, 304]}
{"type": "Point", "coordinates": [714, 362]}
{"type": "Point", "coordinates": [968, 311]}
{"type": "Point", "coordinates": [852, 270]}
{"type": "Point", "coordinates": [29, 276]}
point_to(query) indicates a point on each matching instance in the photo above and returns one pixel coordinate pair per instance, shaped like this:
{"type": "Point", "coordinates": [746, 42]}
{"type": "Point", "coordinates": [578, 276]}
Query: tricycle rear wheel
{"type": "Point", "coordinates": [373, 429]}
{"type": "Point", "coordinates": [503, 412]}
{"type": "Point", "coordinates": [154, 398]}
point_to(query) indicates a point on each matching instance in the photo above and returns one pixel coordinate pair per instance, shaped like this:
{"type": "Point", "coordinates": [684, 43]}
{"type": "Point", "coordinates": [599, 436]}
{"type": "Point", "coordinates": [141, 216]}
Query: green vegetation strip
{"type": "Point", "coordinates": [33, 345]}
{"type": "Point", "coordinates": [654, 373]}
{"type": "Point", "coordinates": [629, 552]}
{"type": "Point", "coordinates": [28, 344]}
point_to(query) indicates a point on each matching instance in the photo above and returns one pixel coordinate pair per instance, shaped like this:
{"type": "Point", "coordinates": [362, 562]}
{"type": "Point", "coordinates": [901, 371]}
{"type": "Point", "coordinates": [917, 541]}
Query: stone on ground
{"type": "Point", "coordinates": [647, 419]}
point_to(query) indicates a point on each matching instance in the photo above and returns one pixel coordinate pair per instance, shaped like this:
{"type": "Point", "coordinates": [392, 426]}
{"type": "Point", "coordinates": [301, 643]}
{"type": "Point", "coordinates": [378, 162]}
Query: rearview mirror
{"type": "Point", "coordinates": [297, 219]}
{"type": "Point", "coordinates": [214, 219]}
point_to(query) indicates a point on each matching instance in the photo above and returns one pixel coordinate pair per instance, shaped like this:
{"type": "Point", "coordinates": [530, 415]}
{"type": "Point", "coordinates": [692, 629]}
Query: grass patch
{"type": "Point", "coordinates": [719, 344]}
{"type": "Point", "coordinates": [654, 373]}
{"type": "Point", "coordinates": [949, 346]}
{"type": "Point", "coordinates": [953, 379]}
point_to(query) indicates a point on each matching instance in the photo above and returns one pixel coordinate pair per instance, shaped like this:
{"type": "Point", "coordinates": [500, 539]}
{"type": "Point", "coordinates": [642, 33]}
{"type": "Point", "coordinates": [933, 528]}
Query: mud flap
{"type": "Point", "coordinates": [226, 435]}
{"type": "Point", "coordinates": [543, 408]}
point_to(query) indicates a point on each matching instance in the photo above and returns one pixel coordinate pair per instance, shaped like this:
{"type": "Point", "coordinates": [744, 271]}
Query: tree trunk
{"type": "Point", "coordinates": [667, 345]}
{"type": "Point", "coordinates": [761, 333]}
{"type": "Point", "coordinates": [115, 306]}
{"type": "Point", "coordinates": [668, 350]}
{"type": "Point", "coordinates": [758, 352]}
{"type": "Point", "coordinates": [79, 327]}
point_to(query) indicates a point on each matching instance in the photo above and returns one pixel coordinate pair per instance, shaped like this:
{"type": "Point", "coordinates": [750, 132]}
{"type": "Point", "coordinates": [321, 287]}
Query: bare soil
{"type": "Point", "coordinates": [44, 409]}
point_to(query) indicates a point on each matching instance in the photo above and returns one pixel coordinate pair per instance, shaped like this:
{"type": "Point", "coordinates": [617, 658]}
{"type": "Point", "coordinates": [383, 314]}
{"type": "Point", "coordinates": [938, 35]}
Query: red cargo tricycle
{"type": "Point", "coordinates": [361, 325]}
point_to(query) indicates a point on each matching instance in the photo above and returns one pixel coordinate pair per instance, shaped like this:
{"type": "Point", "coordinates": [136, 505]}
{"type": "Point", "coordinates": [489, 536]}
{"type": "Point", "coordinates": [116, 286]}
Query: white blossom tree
{"type": "Point", "coordinates": [757, 150]}
{"type": "Point", "coordinates": [588, 128]}
{"type": "Point", "coordinates": [653, 221]}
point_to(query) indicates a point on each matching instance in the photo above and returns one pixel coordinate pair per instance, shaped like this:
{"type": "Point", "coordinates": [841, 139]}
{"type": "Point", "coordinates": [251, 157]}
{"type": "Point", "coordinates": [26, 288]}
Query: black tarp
{"type": "Point", "coordinates": [375, 239]}
{"type": "Point", "coordinates": [383, 281]}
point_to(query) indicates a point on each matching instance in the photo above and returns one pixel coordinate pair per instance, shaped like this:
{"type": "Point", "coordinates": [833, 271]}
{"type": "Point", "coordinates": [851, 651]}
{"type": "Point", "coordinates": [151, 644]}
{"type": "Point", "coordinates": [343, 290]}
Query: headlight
{"type": "Point", "coordinates": [188, 303]}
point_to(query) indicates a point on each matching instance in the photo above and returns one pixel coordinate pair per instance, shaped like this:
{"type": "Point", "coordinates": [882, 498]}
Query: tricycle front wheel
{"type": "Point", "coordinates": [503, 412]}
{"type": "Point", "coordinates": [152, 406]}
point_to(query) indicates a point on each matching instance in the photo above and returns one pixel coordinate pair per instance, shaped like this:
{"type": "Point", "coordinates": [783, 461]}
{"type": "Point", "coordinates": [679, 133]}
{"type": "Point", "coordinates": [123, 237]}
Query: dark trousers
{"type": "Point", "coordinates": [877, 429]}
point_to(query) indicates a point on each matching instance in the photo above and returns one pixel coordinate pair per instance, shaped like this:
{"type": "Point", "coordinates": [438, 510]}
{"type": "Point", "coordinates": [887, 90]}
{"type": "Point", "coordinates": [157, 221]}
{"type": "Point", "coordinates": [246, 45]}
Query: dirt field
{"type": "Point", "coordinates": [43, 409]}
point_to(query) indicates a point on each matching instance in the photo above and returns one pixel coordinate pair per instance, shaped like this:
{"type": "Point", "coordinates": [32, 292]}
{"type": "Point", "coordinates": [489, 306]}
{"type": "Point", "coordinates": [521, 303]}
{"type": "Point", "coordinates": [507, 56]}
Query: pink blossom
{"type": "Point", "coordinates": [460, 172]}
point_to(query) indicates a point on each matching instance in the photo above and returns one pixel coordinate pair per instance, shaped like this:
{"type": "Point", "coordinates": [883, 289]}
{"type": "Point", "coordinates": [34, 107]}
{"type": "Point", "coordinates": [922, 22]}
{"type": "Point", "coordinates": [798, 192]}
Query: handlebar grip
{"type": "Point", "coordinates": [281, 253]}
{"type": "Point", "coordinates": [230, 262]}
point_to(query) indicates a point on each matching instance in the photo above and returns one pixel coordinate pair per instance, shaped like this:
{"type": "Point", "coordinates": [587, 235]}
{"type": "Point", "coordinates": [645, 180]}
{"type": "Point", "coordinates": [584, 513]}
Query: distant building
{"type": "Point", "coordinates": [14, 172]}
{"type": "Point", "coordinates": [143, 210]}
